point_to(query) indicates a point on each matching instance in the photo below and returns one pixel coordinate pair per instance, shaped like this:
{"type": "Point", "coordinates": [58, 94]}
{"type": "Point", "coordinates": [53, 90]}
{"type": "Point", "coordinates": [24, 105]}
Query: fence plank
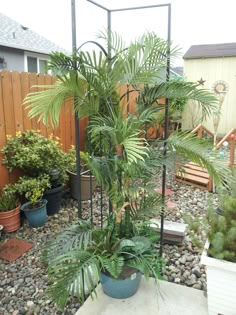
{"type": "Point", "coordinates": [4, 177]}
{"type": "Point", "coordinates": [8, 103]}
{"type": "Point", "coordinates": [25, 89]}
{"type": "Point", "coordinates": [40, 81]}
{"type": "Point", "coordinates": [32, 82]}
{"type": "Point", "coordinates": [48, 81]}
{"type": "Point", "coordinates": [17, 100]}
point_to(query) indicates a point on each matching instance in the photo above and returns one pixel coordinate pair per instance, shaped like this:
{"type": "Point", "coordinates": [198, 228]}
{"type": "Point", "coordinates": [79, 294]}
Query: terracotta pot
{"type": "Point", "coordinates": [10, 220]}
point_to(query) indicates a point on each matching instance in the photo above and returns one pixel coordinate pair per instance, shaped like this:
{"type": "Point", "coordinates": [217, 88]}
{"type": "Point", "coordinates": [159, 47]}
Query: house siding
{"type": "Point", "coordinates": [13, 57]}
{"type": "Point", "coordinates": [212, 70]}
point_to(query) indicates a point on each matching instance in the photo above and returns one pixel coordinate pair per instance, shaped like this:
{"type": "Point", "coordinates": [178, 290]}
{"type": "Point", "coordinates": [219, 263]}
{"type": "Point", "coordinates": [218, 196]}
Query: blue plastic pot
{"type": "Point", "coordinates": [120, 289]}
{"type": "Point", "coordinates": [36, 216]}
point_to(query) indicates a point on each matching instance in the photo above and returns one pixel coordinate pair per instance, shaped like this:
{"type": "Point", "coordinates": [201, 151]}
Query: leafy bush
{"type": "Point", "coordinates": [222, 228]}
{"type": "Point", "coordinates": [34, 154]}
{"type": "Point", "coordinates": [29, 188]}
{"type": "Point", "coordinates": [8, 201]}
{"type": "Point", "coordinates": [71, 160]}
{"type": "Point", "coordinates": [219, 226]}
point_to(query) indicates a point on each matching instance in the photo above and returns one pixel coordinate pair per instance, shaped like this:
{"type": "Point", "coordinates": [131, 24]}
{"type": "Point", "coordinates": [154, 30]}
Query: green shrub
{"type": "Point", "coordinates": [71, 160]}
{"type": "Point", "coordinates": [34, 154]}
{"type": "Point", "coordinates": [29, 188]}
{"type": "Point", "coordinates": [8, 201]}
{"type": "Point", "coordinates": [222, 228]}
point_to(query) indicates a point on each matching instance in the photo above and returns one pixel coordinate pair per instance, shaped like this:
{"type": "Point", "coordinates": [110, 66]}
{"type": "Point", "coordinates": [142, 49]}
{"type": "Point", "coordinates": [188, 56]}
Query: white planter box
{"type": "Point", "coordinates": [221, 285]}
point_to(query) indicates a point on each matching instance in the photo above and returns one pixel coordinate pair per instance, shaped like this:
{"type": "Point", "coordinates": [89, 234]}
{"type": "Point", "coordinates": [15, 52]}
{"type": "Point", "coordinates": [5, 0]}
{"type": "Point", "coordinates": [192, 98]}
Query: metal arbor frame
{"type": "Point", "coordinates": [109, 12]}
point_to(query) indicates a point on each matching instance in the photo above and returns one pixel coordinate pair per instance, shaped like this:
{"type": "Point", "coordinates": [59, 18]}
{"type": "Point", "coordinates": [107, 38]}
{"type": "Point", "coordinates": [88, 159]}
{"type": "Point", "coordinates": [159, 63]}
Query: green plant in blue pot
{"type": "Point", "coordinates": [35, 209]}
{"type": "Point", "coordinates": [127, 168]}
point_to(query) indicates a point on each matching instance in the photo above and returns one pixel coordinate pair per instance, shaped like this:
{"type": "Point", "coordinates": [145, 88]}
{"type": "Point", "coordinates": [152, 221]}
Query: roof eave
{"type": "Point", "coordinates": [25, 48]}
{"type": "Point", "coordinates": [207, 57]}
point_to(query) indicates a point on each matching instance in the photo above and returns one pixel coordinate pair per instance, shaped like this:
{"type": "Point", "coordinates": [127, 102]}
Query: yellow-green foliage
{"type": "Point", "coordinates": [222, 229]}
{"type": "Point", "coordinates": [71, 160]}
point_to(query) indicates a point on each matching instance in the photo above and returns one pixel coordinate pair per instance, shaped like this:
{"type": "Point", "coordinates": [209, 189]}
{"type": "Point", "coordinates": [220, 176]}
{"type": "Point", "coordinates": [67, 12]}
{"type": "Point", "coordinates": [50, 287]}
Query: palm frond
{"type": "Point", "coordinates": [61, 64]}
{"type": "Point", "coordinates": [73, 274]}
{"type": "Point", "coordinates": [115, 41]}
{"type": "Point", "coordinates": [47, 104]}
{"type": "Point", "coordinates": [135, 149]}
{"type": "Point", "coordinates": [199, 151]}
{"type": "Point", "coordinates": [76, 236]}
{"type": "Point", "coordinates": [187, 90]}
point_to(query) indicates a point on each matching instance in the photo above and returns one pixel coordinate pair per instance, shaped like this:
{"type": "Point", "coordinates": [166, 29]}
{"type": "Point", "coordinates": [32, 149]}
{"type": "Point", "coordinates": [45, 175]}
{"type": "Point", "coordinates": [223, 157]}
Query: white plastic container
{"type": "Point", "coordinates": [221, 285]}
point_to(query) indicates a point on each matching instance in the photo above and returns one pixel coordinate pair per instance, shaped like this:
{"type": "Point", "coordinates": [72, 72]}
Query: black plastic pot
{"type": "Point", "coordinates": [53, 196]}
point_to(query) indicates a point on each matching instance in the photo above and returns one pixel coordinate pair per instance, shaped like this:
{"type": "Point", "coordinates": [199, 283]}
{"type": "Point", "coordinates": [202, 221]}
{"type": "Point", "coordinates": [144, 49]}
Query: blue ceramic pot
{"type": "Point", "coordinates": [120, 289]}
{"type": "Point", "coordinates": [36, 216]}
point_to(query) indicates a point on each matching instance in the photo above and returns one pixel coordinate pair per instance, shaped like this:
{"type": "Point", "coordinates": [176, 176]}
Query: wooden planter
{"type": "Point", "coordinates": [221, 285]}
{"type": "Point", "coordinates": [10, 220]}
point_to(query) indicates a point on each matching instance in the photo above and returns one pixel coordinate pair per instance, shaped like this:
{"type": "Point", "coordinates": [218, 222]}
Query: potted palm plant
{"type": "Point", "coordinates": [127, 165]}
{"type": "Point", "coordinates": [9, 211]}
{"type": "Point", "coordinates": [87, 180]}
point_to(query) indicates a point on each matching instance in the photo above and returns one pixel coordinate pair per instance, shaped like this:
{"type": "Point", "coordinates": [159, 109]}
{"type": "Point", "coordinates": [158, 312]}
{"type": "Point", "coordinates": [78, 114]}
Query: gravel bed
{"type": "Point", "coordinates": [23, 283]}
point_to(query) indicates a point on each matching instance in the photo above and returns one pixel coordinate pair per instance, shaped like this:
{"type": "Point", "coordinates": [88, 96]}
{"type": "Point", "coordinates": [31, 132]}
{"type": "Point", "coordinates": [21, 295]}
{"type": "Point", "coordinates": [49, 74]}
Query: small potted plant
{"type": "Point", "coordinates": [32, 189]}
{"type": "Point", "coordinates": [87, 180]}
{"type": "Point", "coordinates": [219, 254]}
{"type": "Point", "coordinates": [9, 211]}
{"type": "Point", "coordinates": [36, 155]}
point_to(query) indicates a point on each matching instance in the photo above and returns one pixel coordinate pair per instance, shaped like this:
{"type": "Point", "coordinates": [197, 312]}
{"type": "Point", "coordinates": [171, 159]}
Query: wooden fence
{"type": "Point", "coordinates": [14, 86]}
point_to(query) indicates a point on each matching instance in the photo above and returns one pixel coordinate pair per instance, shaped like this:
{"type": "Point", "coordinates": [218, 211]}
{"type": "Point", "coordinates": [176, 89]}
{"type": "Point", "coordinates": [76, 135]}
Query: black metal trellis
{"type": "Point", "coordinates": [109, 12]}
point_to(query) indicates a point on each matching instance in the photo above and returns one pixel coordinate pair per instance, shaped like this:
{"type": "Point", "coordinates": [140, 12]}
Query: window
{"type": "Point", "coordinates": [42, 66]}
{"type": "Point", "coordinates": [3, 64]}
{"type": "Point", "coordinates": [35, 64]}
{"type": "Point", "coordinates": [32, 64]}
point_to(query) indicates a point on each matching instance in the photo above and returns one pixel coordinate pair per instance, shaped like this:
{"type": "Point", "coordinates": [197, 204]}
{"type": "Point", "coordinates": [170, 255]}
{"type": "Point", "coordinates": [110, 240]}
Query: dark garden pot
{"type": "Point", "coordinates": [121, 288]}
{"type": "Point", "coordinates": [36, 216]}
{"type": "Point", "coordinates": [53, 197]}
{"type": "Point", "coordinates": [86, 192]}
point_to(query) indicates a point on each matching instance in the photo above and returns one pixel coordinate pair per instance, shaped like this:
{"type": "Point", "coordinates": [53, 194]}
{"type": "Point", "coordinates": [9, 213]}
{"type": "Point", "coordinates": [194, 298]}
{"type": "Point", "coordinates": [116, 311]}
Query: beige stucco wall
{"type": "Point", "coordinates": [212, 70]}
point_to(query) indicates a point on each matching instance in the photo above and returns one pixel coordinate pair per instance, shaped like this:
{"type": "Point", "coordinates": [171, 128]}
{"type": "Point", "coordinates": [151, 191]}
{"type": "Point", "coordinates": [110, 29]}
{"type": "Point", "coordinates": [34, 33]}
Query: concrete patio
{"type": "Point", "coordinates": [165, 299]}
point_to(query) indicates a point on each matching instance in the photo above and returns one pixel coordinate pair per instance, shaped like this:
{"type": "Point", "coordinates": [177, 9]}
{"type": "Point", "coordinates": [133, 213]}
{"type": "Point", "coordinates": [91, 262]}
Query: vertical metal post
{"type": "Point", "coordinates": [77, 131]}
{"type": "Point", "coordinates": [109, 61]}
{"type": "Point", "coordinates": [165, 133]}
{"type": "Point", "coordinates": [109, 34]}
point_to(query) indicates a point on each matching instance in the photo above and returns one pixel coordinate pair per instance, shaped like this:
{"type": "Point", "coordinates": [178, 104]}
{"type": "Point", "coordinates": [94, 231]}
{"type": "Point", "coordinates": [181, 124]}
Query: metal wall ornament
{"type": "Point", "coordinates": [220, 86]}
